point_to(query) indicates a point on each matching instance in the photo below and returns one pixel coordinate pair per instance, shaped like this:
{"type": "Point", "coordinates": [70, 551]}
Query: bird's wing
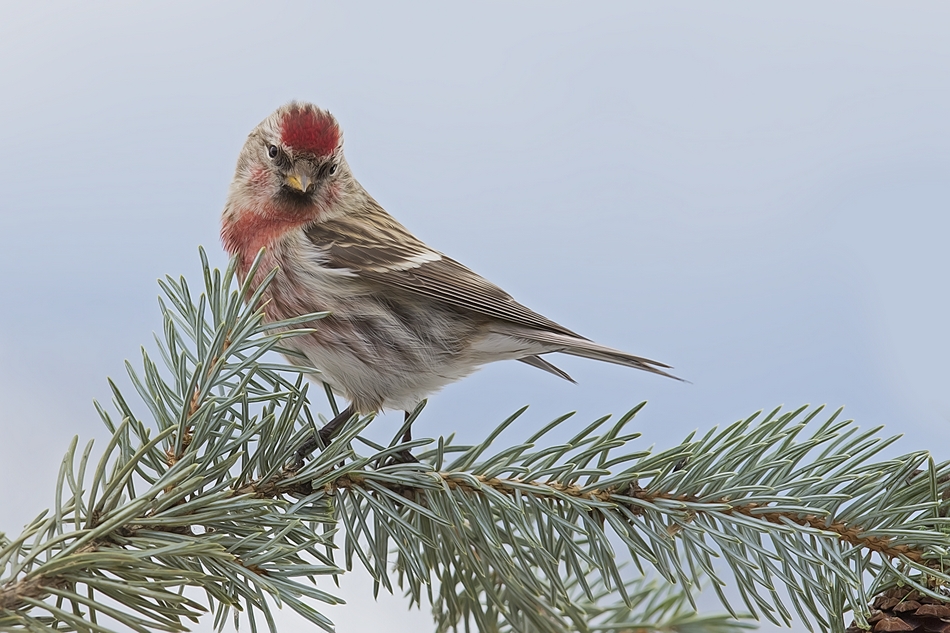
{"type": "Point", "coordinates": [379, 249]}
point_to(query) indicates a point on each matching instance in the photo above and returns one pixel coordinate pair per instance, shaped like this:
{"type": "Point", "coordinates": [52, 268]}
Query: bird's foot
{"type": "Point", "coordinates": [303, 451]}
{"type": "Point", "coordinates": [402, 457]}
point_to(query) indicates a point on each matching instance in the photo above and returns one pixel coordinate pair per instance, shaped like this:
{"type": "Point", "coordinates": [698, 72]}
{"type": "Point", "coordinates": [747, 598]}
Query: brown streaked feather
{"type": "Point", "coordinates": [379, 249]}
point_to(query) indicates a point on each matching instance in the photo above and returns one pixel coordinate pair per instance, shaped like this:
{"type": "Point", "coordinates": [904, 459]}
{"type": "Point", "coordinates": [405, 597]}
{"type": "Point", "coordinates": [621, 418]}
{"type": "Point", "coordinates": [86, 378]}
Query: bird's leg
{"type": "Point", "coordinates": [334, 426]}
{"type": "Point", "coordinates": [327, 433]}
{"type": "Point", "coordinates": [405, 457]}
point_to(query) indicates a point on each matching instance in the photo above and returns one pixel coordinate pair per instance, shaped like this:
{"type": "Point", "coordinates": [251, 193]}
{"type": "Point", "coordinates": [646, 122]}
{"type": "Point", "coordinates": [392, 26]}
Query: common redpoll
{"type": "Point", "coordinates": [405, 320]}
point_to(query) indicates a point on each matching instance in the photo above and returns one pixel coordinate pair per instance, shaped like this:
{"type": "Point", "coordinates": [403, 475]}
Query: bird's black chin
{"type": "Point", "coordinates": [295, 199]}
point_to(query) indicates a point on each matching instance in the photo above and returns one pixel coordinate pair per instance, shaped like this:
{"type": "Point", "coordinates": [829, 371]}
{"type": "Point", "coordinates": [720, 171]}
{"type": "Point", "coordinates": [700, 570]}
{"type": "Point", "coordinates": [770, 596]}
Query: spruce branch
{"type": "Point", "coordinates": [500, 536]}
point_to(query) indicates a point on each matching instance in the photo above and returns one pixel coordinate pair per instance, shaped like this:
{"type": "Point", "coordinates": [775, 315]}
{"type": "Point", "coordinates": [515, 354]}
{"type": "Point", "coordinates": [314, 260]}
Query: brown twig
{"type": "Point", "coordinates": [10, 595]}
{"type": "Point", "coordinates": [852, 534]}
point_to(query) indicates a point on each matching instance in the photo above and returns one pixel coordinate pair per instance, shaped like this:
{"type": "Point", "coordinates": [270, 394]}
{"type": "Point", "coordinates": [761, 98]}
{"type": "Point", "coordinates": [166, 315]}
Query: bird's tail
{"type": "Point", "coordinates": [577, 346]}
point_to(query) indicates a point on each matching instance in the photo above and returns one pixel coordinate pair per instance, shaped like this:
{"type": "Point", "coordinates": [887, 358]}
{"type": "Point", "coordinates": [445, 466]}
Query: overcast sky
{"type": "Point", "coordinates": [758, 196]}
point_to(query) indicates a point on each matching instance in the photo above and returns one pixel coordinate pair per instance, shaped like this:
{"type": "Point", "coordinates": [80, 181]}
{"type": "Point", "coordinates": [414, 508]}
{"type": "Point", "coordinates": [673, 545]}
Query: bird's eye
{"type": "Point", "coordinates": [332, 169]}
{"type": "Point", "coordinates": [272, 151]}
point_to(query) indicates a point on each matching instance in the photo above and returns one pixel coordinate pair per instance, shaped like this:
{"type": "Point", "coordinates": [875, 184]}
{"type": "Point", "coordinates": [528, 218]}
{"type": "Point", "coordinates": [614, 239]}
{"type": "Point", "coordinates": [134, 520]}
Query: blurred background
{"type": "Point", "coordinates": [757, 195]}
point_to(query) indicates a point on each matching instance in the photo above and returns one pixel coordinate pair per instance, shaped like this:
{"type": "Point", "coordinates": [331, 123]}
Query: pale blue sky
{"type": "Point", "coordinates": [757, 195]}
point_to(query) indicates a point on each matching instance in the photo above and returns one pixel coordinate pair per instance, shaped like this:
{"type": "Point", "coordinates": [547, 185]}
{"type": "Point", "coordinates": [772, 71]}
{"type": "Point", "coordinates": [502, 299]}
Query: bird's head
{"type": "Point", "coordinates": [290, 172]}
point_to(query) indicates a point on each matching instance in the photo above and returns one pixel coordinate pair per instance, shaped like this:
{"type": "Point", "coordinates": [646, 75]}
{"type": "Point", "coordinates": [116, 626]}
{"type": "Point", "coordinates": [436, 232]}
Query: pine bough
{"type": "Point", "coordinates": [199, 511]}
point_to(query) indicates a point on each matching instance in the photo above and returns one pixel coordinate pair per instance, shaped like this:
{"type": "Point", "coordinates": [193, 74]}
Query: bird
{"type": "Point", "coordinates": [404, 319]}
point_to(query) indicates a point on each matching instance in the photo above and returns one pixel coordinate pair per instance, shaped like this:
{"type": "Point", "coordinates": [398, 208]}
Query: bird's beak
{"type": "Point", "coordinates": [299, 181]}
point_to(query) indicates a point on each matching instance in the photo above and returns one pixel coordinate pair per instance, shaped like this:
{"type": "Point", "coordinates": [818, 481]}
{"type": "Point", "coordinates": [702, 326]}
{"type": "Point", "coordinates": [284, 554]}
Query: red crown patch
{"type": "Point", "coordinates": [308, 129]}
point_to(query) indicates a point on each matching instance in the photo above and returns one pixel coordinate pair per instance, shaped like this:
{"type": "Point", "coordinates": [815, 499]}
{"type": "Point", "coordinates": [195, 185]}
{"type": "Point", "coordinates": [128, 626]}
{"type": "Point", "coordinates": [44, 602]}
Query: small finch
{"type": "Point", "coordinates": [405, 320]}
